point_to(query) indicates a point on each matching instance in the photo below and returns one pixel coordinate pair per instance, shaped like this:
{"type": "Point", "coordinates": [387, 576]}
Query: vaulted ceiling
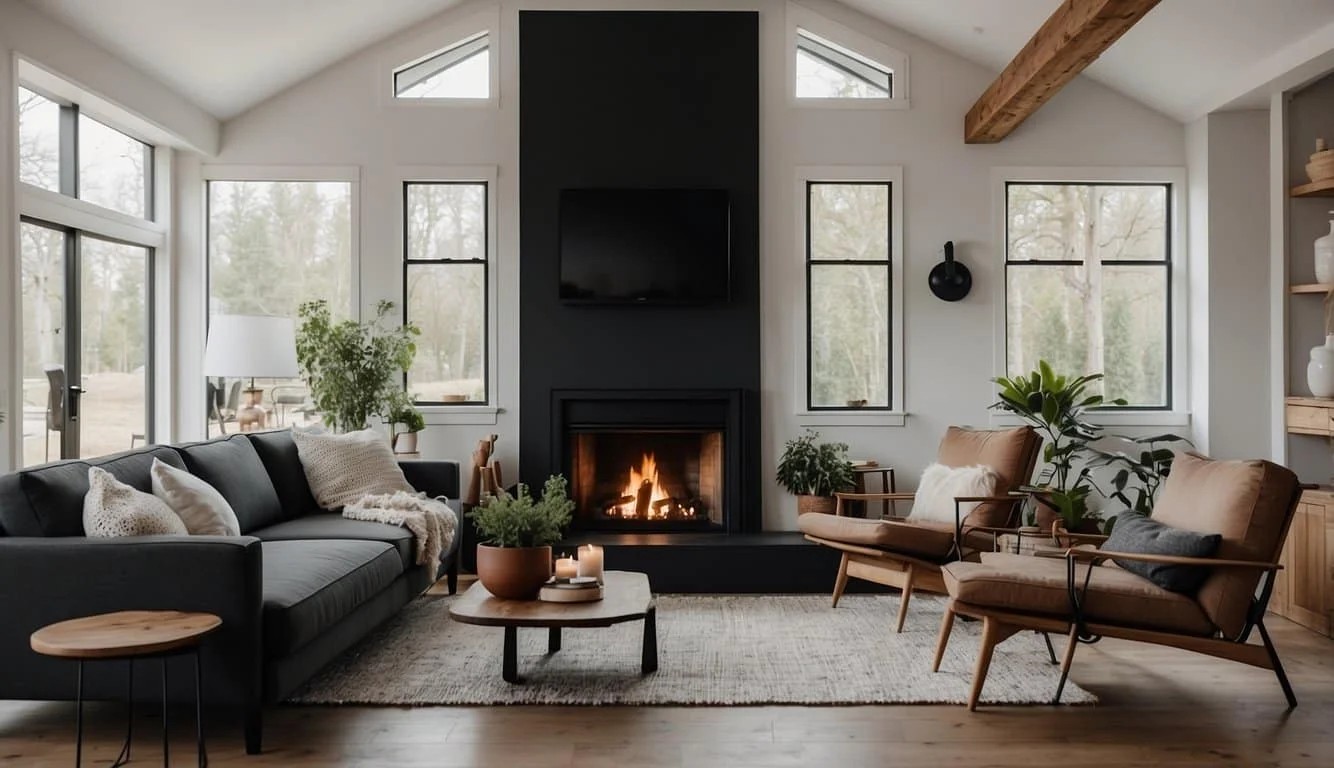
{"type": "Point", "coordinates": [1186, 58]}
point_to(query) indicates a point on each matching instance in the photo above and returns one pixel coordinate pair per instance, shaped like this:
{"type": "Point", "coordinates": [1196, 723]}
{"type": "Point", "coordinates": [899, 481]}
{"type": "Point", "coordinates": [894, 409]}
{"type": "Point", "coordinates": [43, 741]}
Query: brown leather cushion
{"type": "Point", "coordinates": [1009, 452]}
{"type": "Point", "coordinates": [1028, 584]}
{"type": "Point", "coordinates": [921, 540]}
{"type": "Point", "coordinates": [1249, 503]}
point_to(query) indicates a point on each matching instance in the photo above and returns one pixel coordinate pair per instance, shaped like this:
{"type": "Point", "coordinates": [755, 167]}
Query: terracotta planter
{"type": "Point", "coordinates": [824, 504]}
{"type": "Point", "coordinates": [513, 573]}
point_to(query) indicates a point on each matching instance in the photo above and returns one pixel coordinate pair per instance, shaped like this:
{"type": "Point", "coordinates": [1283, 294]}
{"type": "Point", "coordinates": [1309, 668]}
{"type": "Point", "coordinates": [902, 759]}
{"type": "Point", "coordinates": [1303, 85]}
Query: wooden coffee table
{"type": "Point", "coordinates": [127, 636]}
{"type": "Point", "coordinates": [627, 598]}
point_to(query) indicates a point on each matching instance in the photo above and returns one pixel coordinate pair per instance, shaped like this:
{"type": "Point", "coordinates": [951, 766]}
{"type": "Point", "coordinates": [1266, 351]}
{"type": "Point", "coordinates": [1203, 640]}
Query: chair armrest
{"type": "Point", "coordinates": [1059, 532]}
{"type": "Point", "coordinates": [1211, 562]}
{"type": "Point", "coordinates": [901, 496]}
{"type": "Point", "coordinates": [433, 478]}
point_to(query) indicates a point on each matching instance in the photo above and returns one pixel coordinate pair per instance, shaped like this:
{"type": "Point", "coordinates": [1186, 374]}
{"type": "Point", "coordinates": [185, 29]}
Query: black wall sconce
{"type": "Point", "coordinates": [950, 280]}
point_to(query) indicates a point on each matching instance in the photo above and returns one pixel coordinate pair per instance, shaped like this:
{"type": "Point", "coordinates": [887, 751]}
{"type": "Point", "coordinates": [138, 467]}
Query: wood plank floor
{"type": "Point", "coordinates": [1160, 707]}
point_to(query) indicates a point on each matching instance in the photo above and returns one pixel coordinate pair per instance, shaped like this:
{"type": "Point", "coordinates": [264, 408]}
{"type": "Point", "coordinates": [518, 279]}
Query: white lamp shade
{"type": "Point", "coordinates": [255, 346]}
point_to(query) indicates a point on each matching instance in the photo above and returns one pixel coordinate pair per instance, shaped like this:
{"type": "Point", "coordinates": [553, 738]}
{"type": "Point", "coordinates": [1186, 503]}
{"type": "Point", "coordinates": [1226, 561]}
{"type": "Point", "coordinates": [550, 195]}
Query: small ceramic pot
{"type": "Point", "coordinates": [1324, 256]}
{"type": "Point", "coordinates": [1320, 371]}
{"type": "Point", "coordinates": [513, 573]}
{"type": "Point", "coordinates": [405, 442]}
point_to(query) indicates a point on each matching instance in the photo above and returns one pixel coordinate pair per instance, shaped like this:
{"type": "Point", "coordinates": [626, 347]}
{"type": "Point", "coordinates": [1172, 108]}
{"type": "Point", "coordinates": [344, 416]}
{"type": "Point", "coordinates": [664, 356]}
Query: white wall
{"type": "Point", "coordinates": [339, 118]}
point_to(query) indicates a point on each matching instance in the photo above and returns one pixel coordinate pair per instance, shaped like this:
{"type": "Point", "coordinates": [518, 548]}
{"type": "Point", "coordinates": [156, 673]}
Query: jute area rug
{"type": "Point", "coordinates": [712, 650]}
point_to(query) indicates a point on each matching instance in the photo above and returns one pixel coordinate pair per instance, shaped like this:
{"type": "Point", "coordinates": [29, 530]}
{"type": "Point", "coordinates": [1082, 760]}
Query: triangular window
{"type": "Point", "coordinates": [461, 71]}
{"type": "Point", "coordinates": [826, 70]}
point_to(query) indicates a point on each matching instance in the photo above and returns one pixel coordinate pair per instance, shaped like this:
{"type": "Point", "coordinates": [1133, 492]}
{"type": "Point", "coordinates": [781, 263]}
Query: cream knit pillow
{"type": "Point", "coordinates": [199, 505]}
{"type": "Point", "coordinates": [113, 508]}
{"type": "Point", "coordinates": [341, 469]}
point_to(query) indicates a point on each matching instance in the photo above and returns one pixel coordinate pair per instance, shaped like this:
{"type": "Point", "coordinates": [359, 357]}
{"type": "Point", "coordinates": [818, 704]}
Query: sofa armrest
{"type": "Point", "coordinates": [49, 579]}
{"type": "Point", "coordinates": [433, 478]}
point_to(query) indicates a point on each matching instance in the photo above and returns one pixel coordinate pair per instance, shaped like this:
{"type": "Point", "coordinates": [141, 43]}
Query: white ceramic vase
{"type": "Point", "coordinates": [1320, 371]}
{"type": "Point", "coordinates": [1324, 256]}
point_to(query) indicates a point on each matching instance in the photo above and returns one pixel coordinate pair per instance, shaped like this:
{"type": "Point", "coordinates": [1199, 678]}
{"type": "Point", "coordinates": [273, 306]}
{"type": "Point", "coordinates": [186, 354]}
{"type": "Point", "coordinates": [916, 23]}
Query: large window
{"type": "Point", "coordinates": [1088, 281]}
{"type": "Point", "coordinates": [273, 245]}
{"type": "Point", "coordinates": [849, 306]}
{"type": "Point", "coordinates": [445, 289]}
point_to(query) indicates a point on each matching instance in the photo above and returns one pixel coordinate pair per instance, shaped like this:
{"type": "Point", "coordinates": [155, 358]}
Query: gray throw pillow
{"type": "Point", "coordinates": [1139, 535]}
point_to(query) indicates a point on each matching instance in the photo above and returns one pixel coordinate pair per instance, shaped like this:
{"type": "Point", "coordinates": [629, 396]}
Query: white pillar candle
{"type": "Point", "coordinates": [590, 561]}
{"type": "Point", "coordinates": [566, 568]}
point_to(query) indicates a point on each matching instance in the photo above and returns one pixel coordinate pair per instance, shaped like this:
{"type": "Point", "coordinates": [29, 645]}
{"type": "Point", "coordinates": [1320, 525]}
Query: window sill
{"type": "Point", "coordinates": [851, 418]}
{"type": "Point", "coordinates": [1112, 419]}
{"type": "Point", "coordinates": [441, 415]}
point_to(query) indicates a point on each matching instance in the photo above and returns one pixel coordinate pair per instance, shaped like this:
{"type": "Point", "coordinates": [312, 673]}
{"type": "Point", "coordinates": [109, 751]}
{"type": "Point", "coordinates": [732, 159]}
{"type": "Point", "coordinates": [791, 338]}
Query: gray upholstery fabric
{"type": "Point", "coordinates": [327, 525]}
{"type": "Point", "coordinates": [231, 465]}
{"type": "Point", "coordinates": [433, 478]}
{"type": "Point", "coordinates": [278, 452]}
{"type": "Point", "coordinates": [1136, 534]}
{"type": "Point", "coordinates": [47, 500]}
{"type": "Point", "coordinates": [310, 585]}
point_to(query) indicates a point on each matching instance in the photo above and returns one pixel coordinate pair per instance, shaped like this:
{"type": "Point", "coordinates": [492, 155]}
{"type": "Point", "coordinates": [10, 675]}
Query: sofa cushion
{"type": "Point", "coordinates": [199, 505]}
{"type": "Point", "coordinates": [326, 525]}
{"type": "Point", "coordinates": [278, 452]}
{"type": "Point", "coordinates": [341, 469]}
{"type": "Point", "coordinates": [923, 540]}
{"type": "Point", "coordinates": [1028, 584]}
{"type": "Point", "coordinates": [231, 465]}
{"type": "Point", "coordinates": [309, 586]}
{"type": "Point", "coordinates": [113, 509]}
{"type": "Point", "coordinates": [1011, 454]}
{"type": "Point", "coordinates": [1139, 535]}
{"type": "Point", "coordinates": [49, 501]}
{"type": "Point", "coordinates": [1250, 503]}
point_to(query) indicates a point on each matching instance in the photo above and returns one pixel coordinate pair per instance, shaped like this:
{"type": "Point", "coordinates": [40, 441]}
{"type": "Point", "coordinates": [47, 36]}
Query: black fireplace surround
{"type": "Point", "coordinates": [706, 492]}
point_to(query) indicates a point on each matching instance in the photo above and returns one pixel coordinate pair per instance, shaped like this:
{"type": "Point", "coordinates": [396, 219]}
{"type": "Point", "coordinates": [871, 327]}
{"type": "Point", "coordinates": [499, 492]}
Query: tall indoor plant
{"type": "Point", "coordinates": [1056, 406]}
{"type": "Point", "coordinates": [354, 369]}
{"type": "Point", "coordinates": [1140, 469]}
{"type": "Point", "coordinates": [814, 472]}
{"type": "Point", "coordinates": [516, 533]}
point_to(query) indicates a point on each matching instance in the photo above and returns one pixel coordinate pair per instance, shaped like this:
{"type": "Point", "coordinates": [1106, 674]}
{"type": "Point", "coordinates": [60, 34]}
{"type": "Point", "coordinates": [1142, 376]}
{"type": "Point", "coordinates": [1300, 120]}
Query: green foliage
{"type": "Point", "coordinates": [1145, 462]}
{"type": "Point", "coordinates": [1055, 406]}
{"type": "Point", "coordinates": [353, 368]}
{"type": "Point", "coordinates": [521, 521]}
{"type": "Point", "coordinates": [403, 410]}
{"type": "Point", "coordinates": [814, 469]}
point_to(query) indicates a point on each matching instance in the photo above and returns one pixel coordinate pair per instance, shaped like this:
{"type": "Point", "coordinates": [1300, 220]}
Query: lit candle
{"type": "Point", "coordinates": [566, 568]}
{"type": "Point", "coordinates": [590, 561]}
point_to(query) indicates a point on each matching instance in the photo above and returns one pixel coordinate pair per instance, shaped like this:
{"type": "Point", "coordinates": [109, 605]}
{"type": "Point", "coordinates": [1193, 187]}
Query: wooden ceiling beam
{"type": "Point", "coordinates": [1067, 42]}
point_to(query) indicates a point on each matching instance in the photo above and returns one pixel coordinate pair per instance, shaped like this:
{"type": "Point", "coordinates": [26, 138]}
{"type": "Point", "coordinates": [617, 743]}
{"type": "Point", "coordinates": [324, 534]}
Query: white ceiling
{"type": "Point", "coordinates": [1181, 57]}
{"type": "Point", "coordinates": [1185, 58]}
{"type": "Point", "coordinates": [229, 55]}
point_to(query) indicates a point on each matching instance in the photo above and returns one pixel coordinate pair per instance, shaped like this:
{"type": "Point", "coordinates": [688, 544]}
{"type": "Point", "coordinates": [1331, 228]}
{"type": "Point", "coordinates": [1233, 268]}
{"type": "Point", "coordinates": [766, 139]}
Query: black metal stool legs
{"type": "Point", "coordinates": [199, 714]}
{"type": "Point", "coordinates": [78, 719]}
{"type": "Point", "coordinates": [124, 756]}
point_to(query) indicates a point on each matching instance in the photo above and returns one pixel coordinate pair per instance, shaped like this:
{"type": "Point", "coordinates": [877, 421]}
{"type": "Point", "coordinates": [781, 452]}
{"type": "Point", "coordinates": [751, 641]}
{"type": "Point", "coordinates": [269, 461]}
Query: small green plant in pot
{"type": "Point", "coordinates": [814, 472]}
{"type": "Point", "coordinates": [515, 534]}
{"type": "Point", "coordinates": [405, 421]}
{"type": "Point", "coordinates": [1056, 406]}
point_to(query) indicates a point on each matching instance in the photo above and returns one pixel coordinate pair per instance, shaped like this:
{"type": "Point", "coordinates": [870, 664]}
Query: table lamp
{"type": "Point", "coordinates": [250, 346]}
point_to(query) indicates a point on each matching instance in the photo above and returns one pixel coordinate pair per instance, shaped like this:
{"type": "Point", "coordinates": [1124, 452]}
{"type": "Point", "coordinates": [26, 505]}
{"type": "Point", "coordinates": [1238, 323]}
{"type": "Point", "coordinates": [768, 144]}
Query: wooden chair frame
{"type": "Point", "coordinates": [1000, 624]}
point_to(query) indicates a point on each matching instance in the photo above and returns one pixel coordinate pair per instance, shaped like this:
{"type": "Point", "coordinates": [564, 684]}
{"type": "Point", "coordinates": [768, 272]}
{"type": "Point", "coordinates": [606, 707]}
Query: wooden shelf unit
{"type": "Point", "coordinates": [1302, 288]}
{"type": "Point", "coordinates": [1322, 188]}
{"type": "Point", "coordinates": [1304, 589]}
{"type": "Point", "coordinates": [1310, 416]}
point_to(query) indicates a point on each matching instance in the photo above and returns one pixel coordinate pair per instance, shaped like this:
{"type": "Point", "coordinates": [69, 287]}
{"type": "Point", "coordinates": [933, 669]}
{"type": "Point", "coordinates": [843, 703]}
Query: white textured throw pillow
{"type": "Point", "coordinates": [934, 500]}
{"type": "Point", "coordinates": [341, 469]}
{"type": "Point", "coordinates": [199, 505]}
{"type": "Point", "coordinates": [113, 508]}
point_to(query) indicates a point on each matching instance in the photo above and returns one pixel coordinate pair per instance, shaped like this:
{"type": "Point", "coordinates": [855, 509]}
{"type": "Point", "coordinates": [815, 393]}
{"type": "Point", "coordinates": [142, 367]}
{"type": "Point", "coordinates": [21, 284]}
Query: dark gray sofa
{"type": "Point", "coordinates": [296, 589]}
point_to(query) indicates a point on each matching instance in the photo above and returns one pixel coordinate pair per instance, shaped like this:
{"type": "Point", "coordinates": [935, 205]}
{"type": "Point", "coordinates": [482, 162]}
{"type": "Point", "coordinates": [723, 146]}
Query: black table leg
{"type": "Point", "coordinates": [650, 662]}
{"type": "Point", "coordinates": [78, 719]}
{"type": "Point", "coordinates": [510, 668]}
{"type": "Point", "coordinates": [202, 759]}
{"type": "Point", "coordinates": [553, 639]}
{"type": "Point", "coordinates": [124, 756]}
{"type": "Point", "coordinates": [166, 760]}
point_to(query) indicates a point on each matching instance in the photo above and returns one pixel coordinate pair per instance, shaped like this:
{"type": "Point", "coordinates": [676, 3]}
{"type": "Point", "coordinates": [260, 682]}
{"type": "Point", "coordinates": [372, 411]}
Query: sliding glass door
{"type": "Point", "coordinates": [87, 348]}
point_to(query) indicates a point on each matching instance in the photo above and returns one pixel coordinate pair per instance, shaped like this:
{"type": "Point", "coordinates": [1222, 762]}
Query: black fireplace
{"type": "Point", "coordinates": [653, 461]}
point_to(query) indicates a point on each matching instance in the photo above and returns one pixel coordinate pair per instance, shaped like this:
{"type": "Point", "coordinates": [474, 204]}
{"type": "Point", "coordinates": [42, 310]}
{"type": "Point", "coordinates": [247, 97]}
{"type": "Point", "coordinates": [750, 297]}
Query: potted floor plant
{"type": "Point", "coordinates": [1056, 406]}
{"type": "Point", "coordinates": [515, 534]}
{"type": "Point", "coordinates": [814, 472]}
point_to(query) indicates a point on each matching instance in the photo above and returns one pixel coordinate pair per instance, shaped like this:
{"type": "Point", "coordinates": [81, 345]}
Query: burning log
{"type": "Point", "coordinates": [642, 499]}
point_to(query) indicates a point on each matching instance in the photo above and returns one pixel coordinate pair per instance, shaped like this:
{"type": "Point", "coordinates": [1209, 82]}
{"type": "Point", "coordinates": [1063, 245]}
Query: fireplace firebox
{"type": "Point", "coordinates": [656, 461]}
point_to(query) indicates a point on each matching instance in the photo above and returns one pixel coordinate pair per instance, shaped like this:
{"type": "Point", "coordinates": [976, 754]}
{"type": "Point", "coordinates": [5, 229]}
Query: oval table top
{"type": "Point", "coordinates": [123, 634]}
{"type": "Point", "coordinates": [627, 597]}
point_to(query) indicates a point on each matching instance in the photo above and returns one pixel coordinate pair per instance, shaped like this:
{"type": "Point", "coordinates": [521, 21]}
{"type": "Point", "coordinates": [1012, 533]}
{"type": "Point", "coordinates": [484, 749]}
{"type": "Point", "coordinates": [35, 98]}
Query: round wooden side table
{"type": "Point", "coordinates": [127, 636]}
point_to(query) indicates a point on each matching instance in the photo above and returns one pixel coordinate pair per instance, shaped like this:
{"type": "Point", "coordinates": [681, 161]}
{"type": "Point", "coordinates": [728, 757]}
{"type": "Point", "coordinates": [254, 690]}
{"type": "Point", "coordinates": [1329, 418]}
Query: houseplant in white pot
{"type": "Point", "coordinates": [515, 534]}
{"type": "Point", "coordinates": [405, 421]}
{"type": "Point", "coordinates": [814, 472]}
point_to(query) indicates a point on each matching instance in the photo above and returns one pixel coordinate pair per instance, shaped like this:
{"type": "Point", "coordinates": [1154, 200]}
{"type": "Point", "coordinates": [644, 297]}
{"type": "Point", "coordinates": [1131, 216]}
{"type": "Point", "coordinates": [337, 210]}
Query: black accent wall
{"type": "Point", "coordinates": [636, 100]}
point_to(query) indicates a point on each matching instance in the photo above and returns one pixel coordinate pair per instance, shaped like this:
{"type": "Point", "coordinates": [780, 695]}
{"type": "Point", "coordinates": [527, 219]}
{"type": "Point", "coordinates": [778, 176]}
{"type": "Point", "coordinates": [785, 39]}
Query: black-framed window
{"type": "Point", "coordinates": [1088, 284]}
{"type": "Point", "coordinates": [848, 295]}
{"type": "Point", "coordinates": [446, 275]}
{"type": "Point", "coordinates": [66, 151]}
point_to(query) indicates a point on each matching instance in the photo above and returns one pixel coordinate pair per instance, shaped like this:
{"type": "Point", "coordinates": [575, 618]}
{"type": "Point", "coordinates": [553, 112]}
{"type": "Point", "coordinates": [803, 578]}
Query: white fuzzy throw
{"type": "Point", "coordinates": [430, 520]}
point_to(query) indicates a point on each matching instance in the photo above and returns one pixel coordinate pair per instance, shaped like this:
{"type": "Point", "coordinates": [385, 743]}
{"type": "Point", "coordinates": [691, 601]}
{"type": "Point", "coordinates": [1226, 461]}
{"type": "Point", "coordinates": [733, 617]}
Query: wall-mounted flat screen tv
{"type": "Point", "coordinates": [645, 246]}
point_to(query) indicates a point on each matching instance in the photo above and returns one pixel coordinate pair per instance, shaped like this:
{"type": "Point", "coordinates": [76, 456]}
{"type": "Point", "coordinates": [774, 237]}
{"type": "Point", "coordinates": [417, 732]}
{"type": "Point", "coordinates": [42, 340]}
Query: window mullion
{"type": "Point", "coordinates": [68, 163]}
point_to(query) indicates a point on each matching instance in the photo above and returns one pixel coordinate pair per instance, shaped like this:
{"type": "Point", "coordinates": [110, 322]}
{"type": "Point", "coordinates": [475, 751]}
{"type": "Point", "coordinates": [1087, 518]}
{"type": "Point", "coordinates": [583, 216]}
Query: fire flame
{"type": "Point", "coordinates": [645, 475]}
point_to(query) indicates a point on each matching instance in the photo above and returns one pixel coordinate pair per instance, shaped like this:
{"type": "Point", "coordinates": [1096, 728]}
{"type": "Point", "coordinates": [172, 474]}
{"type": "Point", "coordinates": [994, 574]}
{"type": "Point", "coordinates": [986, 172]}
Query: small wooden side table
{"type": "Point", "coordinates": [859, 474]}
{"type": "Point", "coordinates": [126, 636]}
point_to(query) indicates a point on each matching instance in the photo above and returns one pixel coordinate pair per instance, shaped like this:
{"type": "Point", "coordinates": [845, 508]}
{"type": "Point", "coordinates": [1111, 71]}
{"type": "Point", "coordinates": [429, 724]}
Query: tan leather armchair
{"type": "Point", "coordinates": [908, 554]}
{"type": "Point", "coordinates": [1249, 503]}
